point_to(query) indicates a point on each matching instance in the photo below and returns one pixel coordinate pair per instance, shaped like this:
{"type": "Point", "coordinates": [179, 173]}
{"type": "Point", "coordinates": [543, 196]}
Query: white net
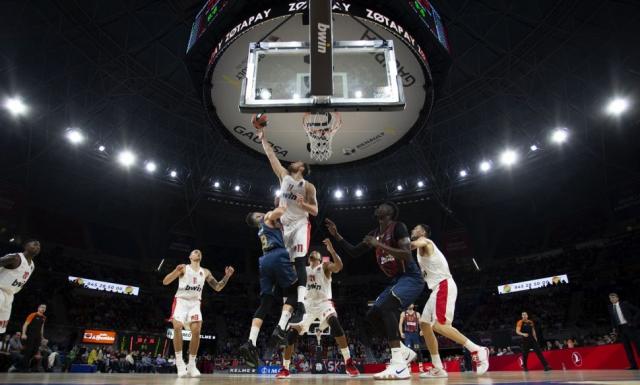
{"type": "Point", "coordinates": [320, 129]}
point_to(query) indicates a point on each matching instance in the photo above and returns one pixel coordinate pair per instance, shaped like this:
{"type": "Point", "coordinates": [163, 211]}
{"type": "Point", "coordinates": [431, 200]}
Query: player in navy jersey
{"type": "Point", "coordinates": [392, 245]}
{"type": "Point", "coordinates": [276, 272]}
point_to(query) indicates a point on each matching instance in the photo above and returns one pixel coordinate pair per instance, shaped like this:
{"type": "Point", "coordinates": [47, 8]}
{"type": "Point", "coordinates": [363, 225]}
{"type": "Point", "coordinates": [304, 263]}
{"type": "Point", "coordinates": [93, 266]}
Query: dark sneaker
{"type": "Point", "coordinates": [298, 316]}
{"type": "Point", "coordinates": [250, 354]}
{"type": "Point", "coordinates": [278, 337]}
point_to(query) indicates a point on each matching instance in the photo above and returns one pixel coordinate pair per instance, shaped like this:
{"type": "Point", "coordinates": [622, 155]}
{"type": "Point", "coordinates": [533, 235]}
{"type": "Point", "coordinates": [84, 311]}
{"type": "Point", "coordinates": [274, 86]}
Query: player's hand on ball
{"type": "Point", "coordinates": [300, 199]}
{"type": "Point", "coordinates": [228, 271]}
{"type": "Point", "coordinates": [259, 121]}
{"type": "Point", "coordinates": [371, 241]}
{"type": "Point", "coordinates": [331, 227]}
{"type": "Point", "coordinates": [329, 245]}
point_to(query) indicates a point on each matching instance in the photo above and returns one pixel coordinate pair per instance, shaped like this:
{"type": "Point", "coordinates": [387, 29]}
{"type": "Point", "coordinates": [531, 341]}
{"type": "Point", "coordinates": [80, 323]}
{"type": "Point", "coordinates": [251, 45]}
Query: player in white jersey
{"type": "Point", "coordinates": [185, 311]}
{"type": "Point", "coordinates": [438, 313]}
{"type": "Point", "coordinates": [299, 196]}
{"type": "Point", "coordinates": [15, 270]}
{"type": "Point", "coordinates": [320, 309]}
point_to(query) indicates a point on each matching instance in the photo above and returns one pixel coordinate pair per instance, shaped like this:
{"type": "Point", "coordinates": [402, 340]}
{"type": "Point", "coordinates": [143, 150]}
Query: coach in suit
{"type": "Point", "coordinates": [624, 320]}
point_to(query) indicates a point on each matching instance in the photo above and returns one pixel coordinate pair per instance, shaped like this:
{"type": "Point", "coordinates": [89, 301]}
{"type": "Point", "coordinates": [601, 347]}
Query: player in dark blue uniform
{"type": "Point", "coordinates": [277, 275]}
{"type": "Point", "coordinates": [392, 246]}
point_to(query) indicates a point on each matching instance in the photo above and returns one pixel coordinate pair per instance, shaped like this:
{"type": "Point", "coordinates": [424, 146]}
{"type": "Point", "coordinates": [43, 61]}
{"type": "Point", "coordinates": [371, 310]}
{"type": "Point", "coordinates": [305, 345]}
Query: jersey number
{"type": "Point", "coordinates": [195, 280]}
{"type": "Point", "coordinates": [194, 317]}
{"type": "Point", "coordinates": [263, 240]}
{"type": "Point", "coordinates": [298, 248]}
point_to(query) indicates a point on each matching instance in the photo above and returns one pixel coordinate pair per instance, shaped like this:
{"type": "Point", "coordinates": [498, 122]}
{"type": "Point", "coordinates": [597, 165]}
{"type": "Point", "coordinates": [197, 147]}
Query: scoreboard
{"type": "Point", "coordinates": [204, 18]}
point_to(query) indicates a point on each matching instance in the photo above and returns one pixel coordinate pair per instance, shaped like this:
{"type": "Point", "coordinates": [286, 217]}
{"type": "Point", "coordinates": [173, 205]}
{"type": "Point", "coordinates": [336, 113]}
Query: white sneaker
{"type": "Point", "coordinates": [481, 358]}
{"type": "Point", "coordinates": [407, 354]}
{"type": "Point", "coordinates": [181, 367]}
{"type": "Point", "coordinates": [434, 373]}
{"type": "Point", "coordinates": [395, 371]}
{"type": "Point", "coordinates": [192, 370]}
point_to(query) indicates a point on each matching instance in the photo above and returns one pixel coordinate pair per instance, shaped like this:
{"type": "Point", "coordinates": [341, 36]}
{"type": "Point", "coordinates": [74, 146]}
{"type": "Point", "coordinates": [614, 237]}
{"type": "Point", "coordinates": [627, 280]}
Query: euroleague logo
{"type": "Point", "coordinates": [576, 358]}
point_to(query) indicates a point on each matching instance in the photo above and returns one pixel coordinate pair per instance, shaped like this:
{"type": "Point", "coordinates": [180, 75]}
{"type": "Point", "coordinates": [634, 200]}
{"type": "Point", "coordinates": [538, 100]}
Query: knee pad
{"type": "Point", "coordinates": [300, 264]}
{"type": "Point", "coordinates": [266, 302]}
{"type": "Point", "coordinates": [292, 336]}
{"type": "Point", "coordinates": [336, 328]}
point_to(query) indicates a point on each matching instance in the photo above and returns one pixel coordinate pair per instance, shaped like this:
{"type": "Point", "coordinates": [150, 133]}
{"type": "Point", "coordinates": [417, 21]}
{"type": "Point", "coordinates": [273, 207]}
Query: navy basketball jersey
{"type": "Point", "coordinates": [271, 238]}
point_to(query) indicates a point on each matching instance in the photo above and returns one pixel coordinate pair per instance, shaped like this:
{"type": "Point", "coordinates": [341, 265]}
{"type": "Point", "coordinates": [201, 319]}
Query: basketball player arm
{"type": "Point", "coordinates": [349, 249]}
{"type": "Point", "coordinates": [26, 325]}
{"type": "Point", "coordinates": [335, 266]}
{"type": "Point", "coordinates": [400, 325]}
{"type": "Point", "coordinates": [10, 261]}
{"type": "Point", "coordinates": [309, 203]}
{"type": "Point", "coordinates": [273, 159]}
{"type": "Point", "coordinates": [403, 251]}
{"type": "Point", "coordinates": [219, 285]}
{"type": "Point", "coordinates": [177, 272]}
{"type": "Point", "coordinates": [423, 244]}
{"type": "Point", "coordinates": [519, 328]}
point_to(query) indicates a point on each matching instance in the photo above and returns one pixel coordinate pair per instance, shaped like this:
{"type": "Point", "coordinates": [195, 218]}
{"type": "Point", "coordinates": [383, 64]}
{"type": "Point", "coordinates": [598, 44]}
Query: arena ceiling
{"type": "Point", "coordinates": [116, 70]}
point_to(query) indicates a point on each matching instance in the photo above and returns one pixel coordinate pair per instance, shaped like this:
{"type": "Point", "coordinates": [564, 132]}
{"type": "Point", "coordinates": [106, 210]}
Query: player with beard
{"type": "Point", "coordinates": [390, 240]}
{"type": "Point", "coordinates": [299, 196]}
{"type": "Point", "coordinates": [185, 311]}
{"type": "Point", "coordinates": [277, 278]}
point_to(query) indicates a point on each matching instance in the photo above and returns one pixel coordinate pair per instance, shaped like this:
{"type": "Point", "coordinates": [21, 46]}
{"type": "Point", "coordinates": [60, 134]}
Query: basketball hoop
{"type": "Point", "coordinates": [320, 129]}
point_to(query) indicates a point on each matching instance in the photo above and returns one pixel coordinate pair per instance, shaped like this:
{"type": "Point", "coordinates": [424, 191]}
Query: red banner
{"type": "Point", "coordinates": [587, 358]}
{"type": "Point", "coordinates": [105, 337]}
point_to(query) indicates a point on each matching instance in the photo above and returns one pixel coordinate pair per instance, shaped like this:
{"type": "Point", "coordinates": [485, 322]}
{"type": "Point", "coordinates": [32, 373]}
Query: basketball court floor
{"type": "Point", "coordinates": [613, 377]}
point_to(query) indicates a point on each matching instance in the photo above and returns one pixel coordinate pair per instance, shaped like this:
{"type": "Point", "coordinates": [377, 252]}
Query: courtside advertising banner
{"type": "Point", "coordinates": [104, 286]}
{"type": "Point", "coordinates": [103, 337]}
{"type": "Point", "coordinates": [186, 335]}
{"type": "Point", "coordinates": [533, 284]}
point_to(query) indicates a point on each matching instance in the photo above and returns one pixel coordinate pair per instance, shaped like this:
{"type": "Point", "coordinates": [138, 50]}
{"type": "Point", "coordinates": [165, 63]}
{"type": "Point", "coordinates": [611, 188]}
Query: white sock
{"type": "Point", "coordinates": [302, 292]}
{"type": "Point", "coordinates": [345, 354]}
{"type": "Point", "coordinates": [435, 360]}
{"type": "Point", "coordinates": [284, 318]}
{"type": "Point", "coordinates": [286, 363]}
{"type": "Point", "coordinates": [396, 355]}
{"type": "Point", "coordinates": [471, 346]}
{"type": "Point", "coordinates": [253, 335]}
{"type": "Point", "coordinates": [192, 360]}
{"type": "Point", "coordinates": [179, 358]}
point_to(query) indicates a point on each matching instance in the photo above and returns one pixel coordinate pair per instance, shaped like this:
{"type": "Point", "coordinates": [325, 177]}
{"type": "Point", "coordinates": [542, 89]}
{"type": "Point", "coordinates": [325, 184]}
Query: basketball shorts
{"type": "Point", "coordinates": [317, 312]}
{"type": "Point", "coordinates": [186, 311]}
{"type": "Point", "coordinates": [6, 300]}
{"type": "Point", "coordinates": [411, 339]}
{"type": "Point", "coordinates": [406, 288]}
{"type": "Point", "coordinates": [441, 304]}
{"type": "Point", "coordinates": [297, 236]}
{"type": "Point", "coordinates": [276, 270]}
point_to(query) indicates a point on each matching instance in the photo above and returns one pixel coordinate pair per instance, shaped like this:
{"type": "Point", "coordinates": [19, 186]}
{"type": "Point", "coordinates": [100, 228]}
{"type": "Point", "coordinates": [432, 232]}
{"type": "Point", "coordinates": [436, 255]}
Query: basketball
{"type": "Point", "coordinates": [259, 121]}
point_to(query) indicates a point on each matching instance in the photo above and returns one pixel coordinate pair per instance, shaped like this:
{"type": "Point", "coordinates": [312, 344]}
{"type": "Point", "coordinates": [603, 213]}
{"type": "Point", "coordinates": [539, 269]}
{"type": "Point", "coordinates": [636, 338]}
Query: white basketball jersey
{"type": "Point", "coordinates": [191, 284]}
{"type": "Point", "coordinates": [318, 285]}
{"type": "Point", "coordinates": [435, 268]}
{"type": "Point", "coordinates": [12, 280]}
{"type": "Point", "coordinates": [289, 189]}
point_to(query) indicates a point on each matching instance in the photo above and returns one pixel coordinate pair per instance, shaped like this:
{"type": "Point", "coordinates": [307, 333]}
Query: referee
{"type": "Point", "coordinates": [32, 332]}
{"type": "Point", "coordinates": [526, 329]}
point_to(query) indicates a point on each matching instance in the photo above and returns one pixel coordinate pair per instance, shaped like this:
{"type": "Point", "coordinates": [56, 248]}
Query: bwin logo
{"type": "Point", "coordinates": [322, 37]}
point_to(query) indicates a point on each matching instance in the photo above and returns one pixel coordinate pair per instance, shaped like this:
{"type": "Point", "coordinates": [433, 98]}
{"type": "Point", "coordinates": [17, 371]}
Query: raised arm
{"type": "Point", "coordinates": [268, 150]}
{"type": "Point", "coordinates": [352, 251]}
{"type": "Point", "coordinates": [335, 266]}
{"type": "Point", "coordinates": [275, 214]}
{"type": "Point", "coordinates": [219, 285]}
{"type": "Point", "coordinates": [177, 272]}
{"type": "Point", "coordinates": [10, 261]}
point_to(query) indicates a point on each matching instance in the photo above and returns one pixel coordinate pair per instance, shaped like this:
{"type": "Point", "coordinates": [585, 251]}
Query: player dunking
{"type": "Point", "coordinates": [320, 309]}
{"type": "Point", "coordinates": [438, 313]}
{"type": "Point", "coordinates": [276, 271]}
{"type": "Point", "coordinates": [185, 312]}
{"type": "Point", "coordinates": [15, 270]}
{"type": "Point", "coordinates": [300, 197]}
{"type": "Point", "coordinates": [393, 254]}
